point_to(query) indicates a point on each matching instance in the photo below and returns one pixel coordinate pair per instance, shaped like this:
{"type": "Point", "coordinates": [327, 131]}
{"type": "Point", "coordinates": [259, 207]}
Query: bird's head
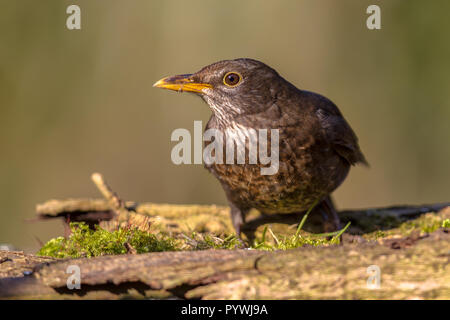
{"type": "Point", "coordinates": [230, 87]}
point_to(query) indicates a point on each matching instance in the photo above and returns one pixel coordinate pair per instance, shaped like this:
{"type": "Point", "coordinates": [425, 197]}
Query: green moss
{"type": "Point", "coordinates": [427, 223]}
{"type": "Point", "coordinates": [446, 223]}
{"type": "Point", "coordinates": [379, 234]}
{"type": "Point", "coordinates": [299, 239]}
{"type": "Point", "coordinates": [53, 248]}
{"type": "Point", "coordinates": [84, 242]}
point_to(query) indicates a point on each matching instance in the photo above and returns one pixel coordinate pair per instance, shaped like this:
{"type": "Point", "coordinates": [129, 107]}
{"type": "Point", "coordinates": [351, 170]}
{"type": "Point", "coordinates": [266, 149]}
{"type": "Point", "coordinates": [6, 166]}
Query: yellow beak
{"type": "Point", "coordinates": [182, 83]}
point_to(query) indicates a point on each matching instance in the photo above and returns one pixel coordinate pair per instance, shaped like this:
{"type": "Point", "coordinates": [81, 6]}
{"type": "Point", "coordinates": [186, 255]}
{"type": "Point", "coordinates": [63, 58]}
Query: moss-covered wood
{"type": "Point", "coordinates": [176, 219]}
{"type": "Point", "coordinates": [410, 245]}
{"type": "Point", "coordinates": [418, 270]}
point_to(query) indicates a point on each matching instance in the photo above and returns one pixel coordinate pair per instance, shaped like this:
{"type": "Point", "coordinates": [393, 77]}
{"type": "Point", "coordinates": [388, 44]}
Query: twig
{"type": "Point", "coordinates": [113, 199]}
{"type": "Point", "coordinates": [115, 203]}
{"type": "Point", "coordinates": [130, 249]}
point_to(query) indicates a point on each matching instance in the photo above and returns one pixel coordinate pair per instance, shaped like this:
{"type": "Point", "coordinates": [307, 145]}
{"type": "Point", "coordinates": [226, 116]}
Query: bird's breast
{"type": "Point", "coordinates": [307, 170]}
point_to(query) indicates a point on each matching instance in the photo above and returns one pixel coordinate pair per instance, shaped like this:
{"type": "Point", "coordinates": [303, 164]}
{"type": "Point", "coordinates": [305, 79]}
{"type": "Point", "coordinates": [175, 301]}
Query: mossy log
{"type": "Point", "coordinates": [213, 219]}
{"type": "Point", "coordinates": [175, 219]}
{"type": "Point", "coordinates": [418, 271]}
{"type": "Point", "coordinates": [413, 256]}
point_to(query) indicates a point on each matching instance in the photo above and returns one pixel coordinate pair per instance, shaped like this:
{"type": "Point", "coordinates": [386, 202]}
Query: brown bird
{"type": "Point", "coordinates": [316, 144]}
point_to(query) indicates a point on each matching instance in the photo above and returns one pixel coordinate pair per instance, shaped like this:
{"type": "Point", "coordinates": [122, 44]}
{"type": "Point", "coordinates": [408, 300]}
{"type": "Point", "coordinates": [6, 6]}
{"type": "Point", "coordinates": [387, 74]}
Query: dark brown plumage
{"type": "Point", "coordinates": [316, 144]}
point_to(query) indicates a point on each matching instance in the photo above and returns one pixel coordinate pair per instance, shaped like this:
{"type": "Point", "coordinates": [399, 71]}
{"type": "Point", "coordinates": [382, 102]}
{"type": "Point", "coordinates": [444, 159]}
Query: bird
{"type": "Point", "coordinates": [316, 145]}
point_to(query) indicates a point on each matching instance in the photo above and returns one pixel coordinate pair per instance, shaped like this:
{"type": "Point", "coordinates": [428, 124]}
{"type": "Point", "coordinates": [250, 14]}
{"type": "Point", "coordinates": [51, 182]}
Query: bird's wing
{"type": "Point", "coordinates": [339, 133]}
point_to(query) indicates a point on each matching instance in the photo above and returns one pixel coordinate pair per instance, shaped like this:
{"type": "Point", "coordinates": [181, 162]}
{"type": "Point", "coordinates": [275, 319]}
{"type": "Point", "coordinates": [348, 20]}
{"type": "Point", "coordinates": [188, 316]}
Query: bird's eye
{"type": "Point", "coordinates": [232, 79]}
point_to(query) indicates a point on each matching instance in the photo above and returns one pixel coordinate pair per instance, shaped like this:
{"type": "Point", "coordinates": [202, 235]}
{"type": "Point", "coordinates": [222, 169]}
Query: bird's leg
{"type": "Point", "coordinates": [329, 215]}
{"type": "Point", "coordinates": [237, 217]}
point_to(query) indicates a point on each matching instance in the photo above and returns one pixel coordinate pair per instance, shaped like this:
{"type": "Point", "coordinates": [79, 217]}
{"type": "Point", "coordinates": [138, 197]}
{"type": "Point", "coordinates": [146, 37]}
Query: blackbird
{"type": "Point", "coordinates": [316, 144]}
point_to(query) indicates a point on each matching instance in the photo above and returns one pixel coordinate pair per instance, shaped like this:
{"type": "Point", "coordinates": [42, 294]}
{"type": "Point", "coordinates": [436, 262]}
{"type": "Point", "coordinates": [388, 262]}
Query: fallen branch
{"type": "Point", "coordinates": [336, 272]}
{"type": "Point", "coordinates": [112, 212]}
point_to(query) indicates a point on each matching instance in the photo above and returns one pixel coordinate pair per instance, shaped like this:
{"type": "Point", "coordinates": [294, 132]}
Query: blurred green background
{"type": "Point", "coordinates": [76, 102]}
